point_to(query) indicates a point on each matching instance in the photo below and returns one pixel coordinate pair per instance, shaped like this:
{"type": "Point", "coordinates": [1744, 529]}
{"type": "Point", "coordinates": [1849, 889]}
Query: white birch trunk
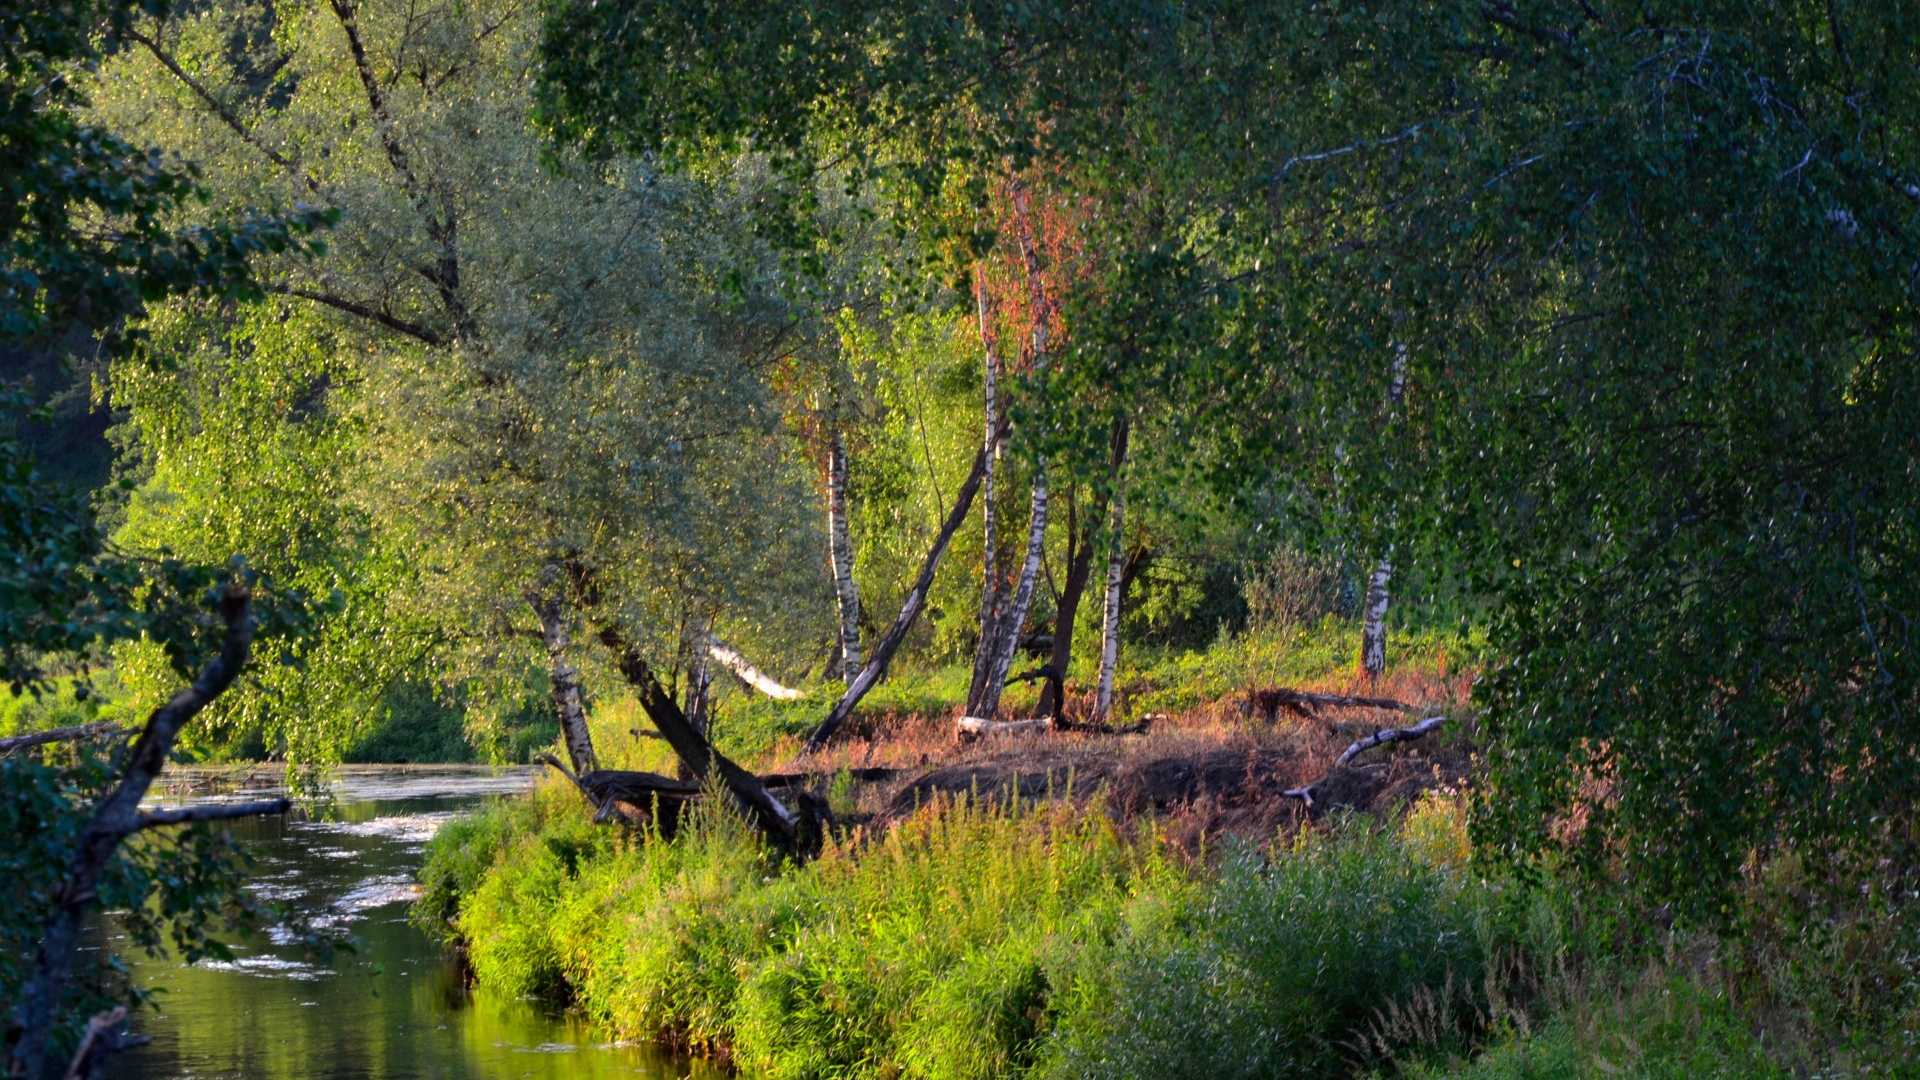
{"type": "Point", "coordinates": [1008, 639]}
{"type": "Point", "coordinates": [1373, 631]}
{"type": "Point", "coordinates": [1110, 619]}
{"type": "Point", "coordinates": [992, 594]}
{"type": "Point", "coordinates": [840, 554]}
{"type": "Point", "coordinates": [564, 692]}
{"type": "Point", "coordinates": [730, 658]}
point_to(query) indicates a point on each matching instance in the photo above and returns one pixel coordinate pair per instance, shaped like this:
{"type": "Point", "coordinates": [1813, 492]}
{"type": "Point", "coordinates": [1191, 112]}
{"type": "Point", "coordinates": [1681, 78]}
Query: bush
{"type": "Point", "coordinates": [1275, 970]}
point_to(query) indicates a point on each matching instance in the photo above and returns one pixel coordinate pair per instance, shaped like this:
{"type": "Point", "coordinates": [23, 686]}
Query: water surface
{"type": "Point", "coordinates": [397, 1009]}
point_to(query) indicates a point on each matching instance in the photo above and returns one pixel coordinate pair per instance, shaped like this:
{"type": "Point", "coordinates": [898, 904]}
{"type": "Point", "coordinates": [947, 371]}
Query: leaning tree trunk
{"type": "Point", "coordinates": [840, 555]}
{"type": "Point", "coordinates": [549, 607]}
{"type": "Point", "coordinates": [984, 702]}
{"type": "Point", "coordinates": [889, 642]}
{"type": "Point", "coordinates": [690, 746]}
{"type": "Point", "coordinates": [1373, 631]}
{"type": "Point", "coordinates": [115, 818]}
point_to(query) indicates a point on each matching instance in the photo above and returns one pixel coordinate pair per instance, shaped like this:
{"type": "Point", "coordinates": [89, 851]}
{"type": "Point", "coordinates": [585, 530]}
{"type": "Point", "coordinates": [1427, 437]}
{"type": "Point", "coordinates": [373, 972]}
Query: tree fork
{"type": "Point", "coordinates": [889, 642]}
{"type": "Point", "coordinates": [116, 818]}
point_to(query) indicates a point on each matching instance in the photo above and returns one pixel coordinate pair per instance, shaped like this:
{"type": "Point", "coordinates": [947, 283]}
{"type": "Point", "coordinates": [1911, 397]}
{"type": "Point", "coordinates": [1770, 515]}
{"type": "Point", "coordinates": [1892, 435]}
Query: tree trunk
{"type": "Point", "coordinates": [1116, 579]}
{"type": "Point", "coordinates": [700, 676]}
{"type": "Point", "coordinates": [116, 817]}
{"type": "Point", "coordinates": [889, 642]}
{"type": "Point", "coordinates": [694, 751]}
{"type": "Point", "coordinates": [984, 702]}
{"type": "Point", "coordinates": [549, 607]}
{"type": "Point", "coordinates": [1066, 613]}
{"type": "Point", "coordinates": [730, 658]}
{"type": "Point", "coordinates": [992, 592]}
{"type": "Point", "coordinates": [1373, 632]}
{"type": "Point", "coordinates": [840, 555]}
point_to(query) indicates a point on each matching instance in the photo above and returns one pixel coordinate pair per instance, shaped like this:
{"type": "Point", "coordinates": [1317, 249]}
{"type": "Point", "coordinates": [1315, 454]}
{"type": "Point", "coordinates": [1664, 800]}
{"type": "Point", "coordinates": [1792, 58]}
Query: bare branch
{"type": "Point", "coordinates": [98, 729]}
{"type": "Point", "coordinates": [226, 115]}
{"type": "Point", "coordinates": [353, 307]}
{"type": "Point", "coordinates": [187, 815]}
{"type": "Point", "coordinates": [1378, 738]}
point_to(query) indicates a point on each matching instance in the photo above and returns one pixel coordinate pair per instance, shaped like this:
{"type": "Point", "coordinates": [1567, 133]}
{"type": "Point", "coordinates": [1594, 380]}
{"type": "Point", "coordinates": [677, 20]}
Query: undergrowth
{"type": "Point", "coordinates": [977, 939]}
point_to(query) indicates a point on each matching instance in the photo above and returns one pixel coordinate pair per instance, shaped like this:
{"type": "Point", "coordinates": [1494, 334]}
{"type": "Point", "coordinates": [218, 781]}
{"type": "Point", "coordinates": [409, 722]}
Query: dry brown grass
{"type": "Point", "coordinates": [1202, 772]}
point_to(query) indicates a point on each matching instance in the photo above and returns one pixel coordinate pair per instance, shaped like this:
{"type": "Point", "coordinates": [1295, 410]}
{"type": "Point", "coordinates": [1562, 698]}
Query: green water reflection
{"type": "Point", "coordinates": [396, 1009]}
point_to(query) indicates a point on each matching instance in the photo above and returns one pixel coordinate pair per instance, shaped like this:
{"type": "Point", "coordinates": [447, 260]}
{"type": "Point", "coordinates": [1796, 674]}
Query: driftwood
{"type": "Point", "coordinates": [730, 658]}
{"type": "Point", "coordinates": [97, 730]}
{"type": "Point", "coordinates": [972, 727]}
{"type": "Point", "coordinates": [1378, 738]}
{"type": "Point", "coordinates": [1269, 702]}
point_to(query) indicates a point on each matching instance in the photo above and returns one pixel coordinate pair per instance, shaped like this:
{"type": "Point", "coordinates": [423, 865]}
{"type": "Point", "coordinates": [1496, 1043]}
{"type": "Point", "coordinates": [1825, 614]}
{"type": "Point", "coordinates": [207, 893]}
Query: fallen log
{"type": "Point", "coordinates": [977, 726]}
{"type": "Point", "coordinates": [1378, 738]}
{"type": "Point", "coordinates": [97, 730]}
{"type": "Point", "coordinates": [730, 658]}
{"type": "Point", "coordinates": [1269, 702]}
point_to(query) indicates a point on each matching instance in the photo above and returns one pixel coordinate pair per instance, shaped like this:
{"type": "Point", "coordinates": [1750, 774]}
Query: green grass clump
{"type": "Point", "coordinates": [1273, 971]}
{"type": "Point", "coordinates": [968, 941]}
{"type": "Point", "coordinates": [976, 940]}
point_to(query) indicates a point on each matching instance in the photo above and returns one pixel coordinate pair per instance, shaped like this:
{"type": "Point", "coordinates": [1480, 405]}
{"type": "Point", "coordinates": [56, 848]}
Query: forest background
{"type": "Point", "coordinates": [579, 354]}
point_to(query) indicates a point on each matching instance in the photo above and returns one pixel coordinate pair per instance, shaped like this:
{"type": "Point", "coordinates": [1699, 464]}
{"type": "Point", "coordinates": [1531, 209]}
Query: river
{"type": "Point", "coordinates": [397, 1008]}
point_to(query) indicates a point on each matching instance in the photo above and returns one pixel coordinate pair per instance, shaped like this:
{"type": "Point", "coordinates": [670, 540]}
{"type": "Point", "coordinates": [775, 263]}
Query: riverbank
{"type": "Point", "coordinates": [997, 935]}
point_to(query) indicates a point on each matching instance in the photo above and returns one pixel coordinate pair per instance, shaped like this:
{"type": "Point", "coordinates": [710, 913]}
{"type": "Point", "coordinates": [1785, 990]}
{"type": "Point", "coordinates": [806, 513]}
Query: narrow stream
{"type": "Point", "coordinates": [396, 1009]}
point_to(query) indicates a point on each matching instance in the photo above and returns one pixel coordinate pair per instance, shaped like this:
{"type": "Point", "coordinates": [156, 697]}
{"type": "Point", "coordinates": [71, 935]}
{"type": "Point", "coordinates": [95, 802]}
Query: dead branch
{"type": "Point", "coordinates": [976, 726]}
{"type": "Point", "coordinates": [1378, 738]}
{"type": "Point", "coordinates": [214, 812]}
{"type": "Point", "coordinates": [731, 659]}
{"type": "Point", "coordinates": [97, 729]}
{"type": "Point", "coordinates": [1269, 702]}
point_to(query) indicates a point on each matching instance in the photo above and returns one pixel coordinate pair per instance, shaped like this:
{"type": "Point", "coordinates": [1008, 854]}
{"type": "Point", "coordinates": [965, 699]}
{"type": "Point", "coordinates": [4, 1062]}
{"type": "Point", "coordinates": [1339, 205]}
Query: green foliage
{"type": "Point", "coordinates": [63, 176]}
{"type": "Point", "coordinates": [1284, 959]}
{"type": "Point", "coordinates": [1434, 275]}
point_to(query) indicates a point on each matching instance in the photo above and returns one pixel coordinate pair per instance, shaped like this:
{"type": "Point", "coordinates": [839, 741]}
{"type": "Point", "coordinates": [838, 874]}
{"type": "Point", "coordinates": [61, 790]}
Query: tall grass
{"type": "Point", "coordinates": [979, 939]}
{"type": "Point", "coordinates": [970, 940]}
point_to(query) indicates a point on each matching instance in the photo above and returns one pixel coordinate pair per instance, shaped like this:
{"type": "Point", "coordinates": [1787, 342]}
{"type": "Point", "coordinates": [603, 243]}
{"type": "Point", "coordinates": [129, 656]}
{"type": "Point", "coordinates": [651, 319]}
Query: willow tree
{"type": "Point", "coordinates": [562, 422]}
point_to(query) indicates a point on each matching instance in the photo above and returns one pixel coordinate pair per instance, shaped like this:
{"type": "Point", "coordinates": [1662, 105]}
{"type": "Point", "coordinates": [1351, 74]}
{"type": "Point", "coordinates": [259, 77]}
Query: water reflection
{"type": "Point", "coordinates": [395, 1009]}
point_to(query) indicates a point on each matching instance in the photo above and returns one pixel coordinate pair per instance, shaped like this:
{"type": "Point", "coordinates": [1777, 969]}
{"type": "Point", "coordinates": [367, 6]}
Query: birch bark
{"type": "Point", "coordinates": [840, 555]}
{"type": "Point", "coordinates": [1373, 632]}
{"type": "Point", "coordinates": [1116, 581]}
{"type": "Point", "coordinates": [549, 608]}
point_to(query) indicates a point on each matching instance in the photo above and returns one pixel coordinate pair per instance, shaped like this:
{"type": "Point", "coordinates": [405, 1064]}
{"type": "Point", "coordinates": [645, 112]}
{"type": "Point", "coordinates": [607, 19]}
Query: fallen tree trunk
{"type": "Point", "coordinates": [730, 658]}
{"type": "Point", "coordinates": [693, 749]}
{"type": "Point", "coordinates": [97, 729]}
{"type": "Point", "coordinates": [1269, 702]}
{"type": "Point", "coordinates": [889, 642]}
{"type": "Point", "coordinates": [1378, 738]}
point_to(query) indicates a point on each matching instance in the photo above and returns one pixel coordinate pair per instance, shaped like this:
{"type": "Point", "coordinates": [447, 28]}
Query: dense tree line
{"type": "Point", "coordinates": [651, 335]}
